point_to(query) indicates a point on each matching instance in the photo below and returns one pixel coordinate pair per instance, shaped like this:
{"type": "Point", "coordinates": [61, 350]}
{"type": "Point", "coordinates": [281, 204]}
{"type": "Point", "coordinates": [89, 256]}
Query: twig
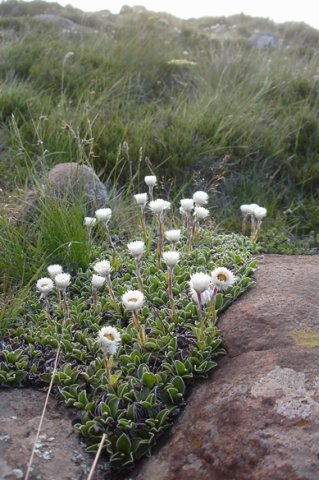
{"type": "Point", "coordinates": [98, 453]}
{"type": "Point", "coordinates": [43, 411]}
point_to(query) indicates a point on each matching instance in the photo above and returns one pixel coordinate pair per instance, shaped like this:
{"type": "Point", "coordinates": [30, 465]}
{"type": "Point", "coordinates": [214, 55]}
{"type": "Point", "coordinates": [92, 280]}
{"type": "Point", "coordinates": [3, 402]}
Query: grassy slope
{"type": "Point", "coordinates": [258, 107]}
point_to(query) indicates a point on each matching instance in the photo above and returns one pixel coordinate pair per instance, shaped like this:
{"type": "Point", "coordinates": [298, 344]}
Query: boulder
{"type": "Point", "coordinates": [264, 40]}
{"type": "Point", "coordinates": [57, 21]}
{"type": "Point", "coordinates": [257, 416]}
{"type": "Point", "coordinates": [73, 180]}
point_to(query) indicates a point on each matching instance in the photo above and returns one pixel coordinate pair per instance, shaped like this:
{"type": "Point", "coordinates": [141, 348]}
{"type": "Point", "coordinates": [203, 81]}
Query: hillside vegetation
{"type": "Point", "coordinates": [142, 93]}
{"type": "Point", "coordinates": [184, 93]}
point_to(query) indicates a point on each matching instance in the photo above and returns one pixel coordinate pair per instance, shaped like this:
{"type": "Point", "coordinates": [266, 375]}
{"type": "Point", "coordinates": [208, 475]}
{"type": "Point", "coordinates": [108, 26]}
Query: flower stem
{"type": "Point", "coordinates": [139, 327]}
{"type": "Point", "coordinates": [170, 292]}
{"type": "Point", "coordinates": [108, 361]}
{"type": "Point", "coordinates": [138, 274]}
{"type": "Point", "coordinates": [160, 238]}
{"type": "Point", "coordinates": [65, 304]}
{"type": "Point", "coordinates": [150, 191]}
{"type": "Point", "coordinates": [109, 238]}
{"type": "Point", "coordinates": [110, 288]}
{"type": "Point", "coordinates": [143, 221]}
{"type": "Point", "coordinates": [189, 232]}
{"type": "Point", "coordinates": [94, 296]}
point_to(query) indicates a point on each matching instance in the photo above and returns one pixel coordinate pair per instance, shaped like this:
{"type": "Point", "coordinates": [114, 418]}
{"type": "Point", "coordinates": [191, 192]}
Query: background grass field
{"type": "Point", "coordinates": [205, 107]}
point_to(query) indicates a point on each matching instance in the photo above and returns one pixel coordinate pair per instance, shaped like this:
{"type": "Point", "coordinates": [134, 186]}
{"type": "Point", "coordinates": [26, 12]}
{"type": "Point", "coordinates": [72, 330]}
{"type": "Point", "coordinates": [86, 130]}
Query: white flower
{"type": "Point", "coordinates": [133, 300]}
{"type": "Point", "coordinates": [259, 212]}
{"type": "Point", "coordinates": [102, 268]}
{"type": "Point", "coordinates": [150, 180]}
{"type": "Point", "coordinates": [110, 339]}
{"type": "Point", "coordinates": [173, 235]}
{"type": "Point", "coordinates": [45, 286]}
{"type": "Point", "coordinates": [54, 270]}
{"type": "Point", "coordinates": [205, 296]}
{"type": "Point", "coordinates": [171, 258]}
{"type": "Point", "coordinates": [103, 214]}
{"type": "Point", "coordinates": [248, 209]}
{"type": "Point", "coordinates": [97, 281]}
{"type": "Point", "coordinates": [89, 221]}
{"type": "Point", "coordinates": [187, 204]}
{"type": "Point", "coordinates": [159, 205]}
{"type": "Point", "coordinates": [141, 198]}
{"type": "Point", "coordinates": [182, 211]}
{"type": "Point", "coordinates": [222, 278]}
{"type": "Point", "coordinates": [136, 248]}
{"type": "Point", "coordinates": [62, 280]}
{"type": "Point", "coordinates": [200, 282]}
{"type": "Point", "coordinates": [201, 213]}
{"type": "Point", "coordinates": [200, 198]}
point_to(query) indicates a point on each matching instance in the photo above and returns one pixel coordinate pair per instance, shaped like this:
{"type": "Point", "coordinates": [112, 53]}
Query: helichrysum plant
{"type": "Point", "coordinates": [126, 365]}
{"type": "Point", "coordinates": [109, 339]}
{"type": "Point", "coordinates": [255, 214]}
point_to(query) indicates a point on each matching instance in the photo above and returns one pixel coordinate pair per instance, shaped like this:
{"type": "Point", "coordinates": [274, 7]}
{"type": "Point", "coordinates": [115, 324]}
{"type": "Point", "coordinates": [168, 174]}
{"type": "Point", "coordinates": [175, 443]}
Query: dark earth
{"type": "Point", "coordinates": [256, 417]}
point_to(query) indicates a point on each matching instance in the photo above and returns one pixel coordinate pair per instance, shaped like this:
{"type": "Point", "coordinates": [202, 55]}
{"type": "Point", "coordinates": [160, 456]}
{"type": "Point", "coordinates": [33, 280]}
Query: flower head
{"type": "Point", "coordinates": [200, 198]}
{"type": "Point", "coordinates": [141, 198]}
{"type": "Point", "coordinates": [200, 282]}
{"type": "Point", "coordinates": [45, 286]}
{"type": "Point", "coordinates": [159, 205]}
{"type": "Point", "coordinates": [201, 213]}
{"type": "Point", "coordinates": [103, 214]}
{"type": "Point", "coordinates": [136, 248]}
{"type": "Point", "coordinates": [62, 280]}
{"type": "Point", "coordinates": [89, 221]}
{"type": "Point", "coordinates": [110, 339]}
{"type": "Point", "coordinates": [248, 209]}
{"type": "Point", "coordinates": [150, 180]}
{"type": "Point", "coordinates": [222, 278]}
{"type": "Point", "coordinates": [205, 296]}
{"type": "Point", "coordinates": [97, 281]}
{"type": "Point", "coordinates": [259, 212]}
{"type": "Point", "coordinates": [54, 270]}
{"type": "Point", "coordinates": [182, 211]}
{"type": "Point", "coordinates": [173, 235]}
{"type": "Point", "coordinates": [171, 258]}
{"type": "Point", "coordinates": [102, 268]}
{"type": "Point", "coordinates": [187, 204]}
{"type": "Point", "coordinates": [133, 300]}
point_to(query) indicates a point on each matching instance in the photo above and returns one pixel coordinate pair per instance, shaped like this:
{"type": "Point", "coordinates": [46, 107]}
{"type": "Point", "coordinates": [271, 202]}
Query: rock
{"type": "Point", "coordinates": [59, 454]}
{"type": "Point", "coordinates": [264, 40]}
{"type": "Point", "coordinates": [57, 21]}
{"type": "Point", "coordinates": [69, 181]}
{"type": "Point", "coordinates": [72, 179]}
{"type": "Point", "coordinates": [257, 416]}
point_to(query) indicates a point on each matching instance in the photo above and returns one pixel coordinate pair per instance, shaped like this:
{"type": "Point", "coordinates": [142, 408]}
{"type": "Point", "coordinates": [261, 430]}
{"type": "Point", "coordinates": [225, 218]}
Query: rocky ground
{"type": "Point", "coordinates": [256, 417]}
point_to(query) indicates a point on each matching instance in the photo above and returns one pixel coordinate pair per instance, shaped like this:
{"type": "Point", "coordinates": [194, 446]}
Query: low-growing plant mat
{"type": "Point", "coordinates": [151, 381]}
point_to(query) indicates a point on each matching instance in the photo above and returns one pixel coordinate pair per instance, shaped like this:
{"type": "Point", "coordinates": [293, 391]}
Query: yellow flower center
{"type": "Point", "coordinates": [222, 277]}
{"type": "Point", "coordinates": [109, 336]}
{"type": "Point", "coordinates": [133, 300]}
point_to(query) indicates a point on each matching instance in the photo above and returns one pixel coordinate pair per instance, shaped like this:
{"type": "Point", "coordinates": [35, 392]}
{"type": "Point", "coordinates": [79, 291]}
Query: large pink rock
{"type": "Point", "coordinates": [257, 416]}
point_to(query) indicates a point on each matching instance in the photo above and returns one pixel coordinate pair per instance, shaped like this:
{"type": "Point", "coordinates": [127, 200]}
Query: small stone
{"type": "Point", "coordinates": [17, 472]}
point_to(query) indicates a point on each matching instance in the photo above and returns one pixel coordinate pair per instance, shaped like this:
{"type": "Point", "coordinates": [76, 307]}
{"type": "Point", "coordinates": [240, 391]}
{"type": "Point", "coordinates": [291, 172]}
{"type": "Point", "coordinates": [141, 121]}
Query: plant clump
{"type": "Point", "coordinates": [125, 356]}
